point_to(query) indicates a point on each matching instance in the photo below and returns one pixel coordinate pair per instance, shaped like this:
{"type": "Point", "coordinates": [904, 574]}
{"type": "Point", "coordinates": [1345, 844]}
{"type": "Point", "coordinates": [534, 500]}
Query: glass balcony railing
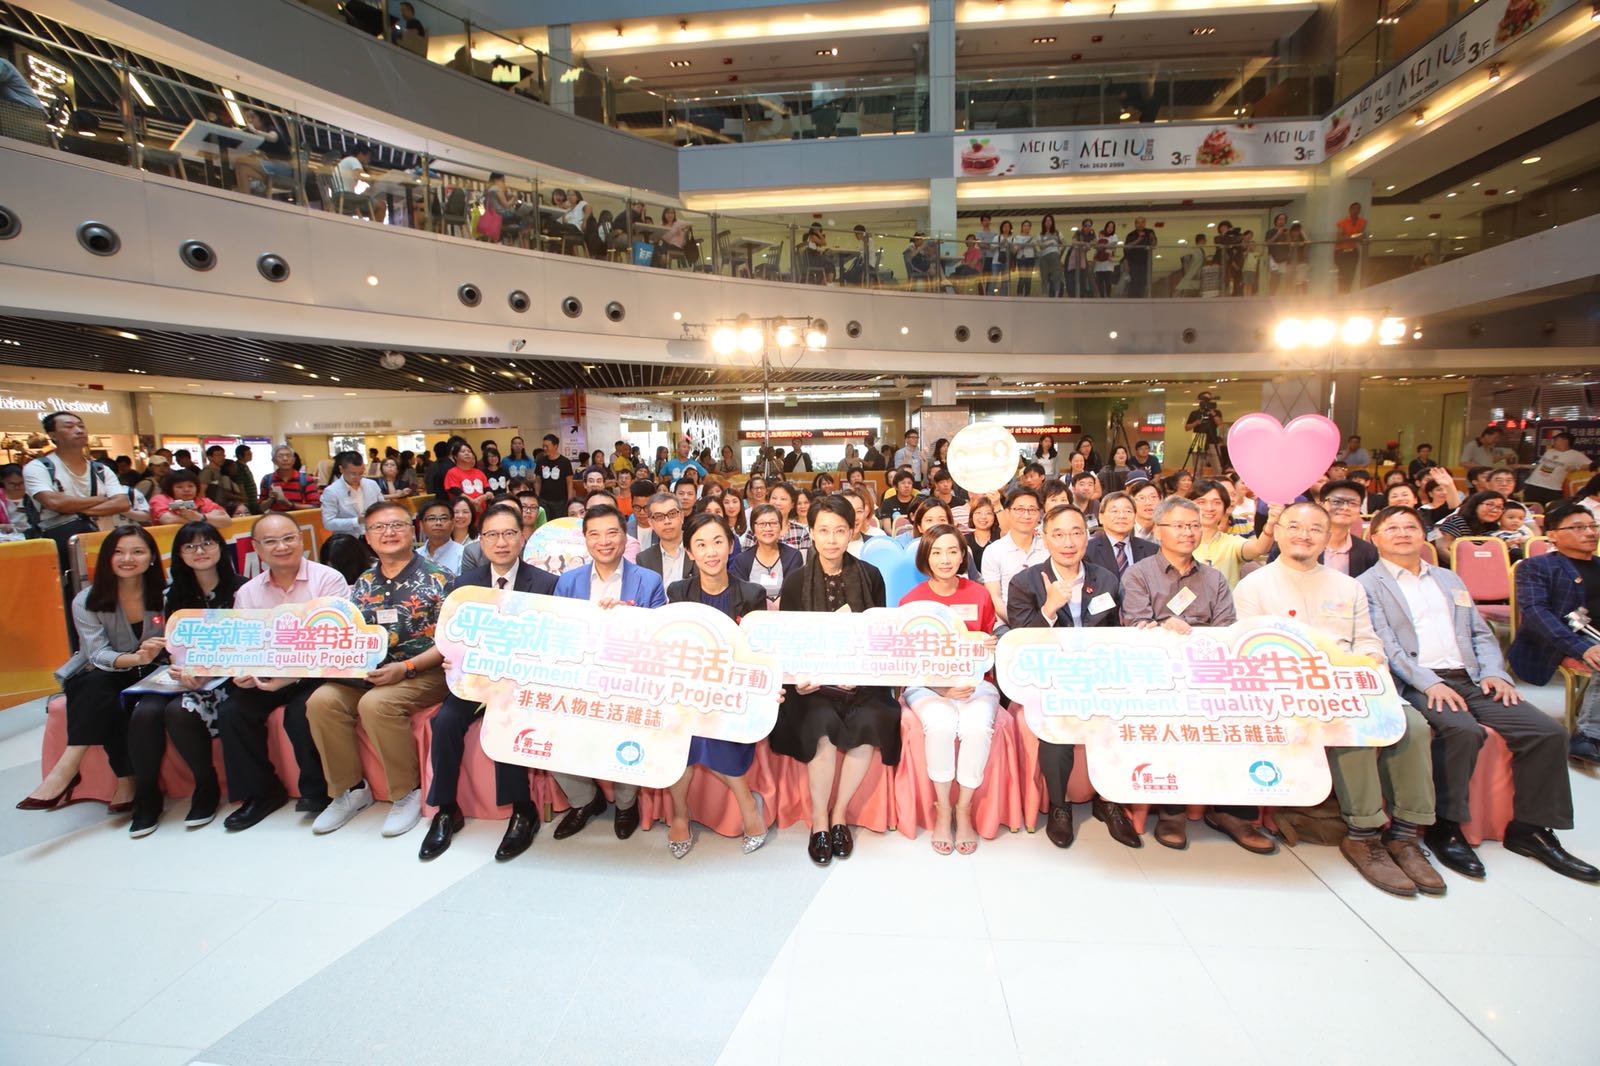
{"type": "Point", "coordinates": [182, 127]}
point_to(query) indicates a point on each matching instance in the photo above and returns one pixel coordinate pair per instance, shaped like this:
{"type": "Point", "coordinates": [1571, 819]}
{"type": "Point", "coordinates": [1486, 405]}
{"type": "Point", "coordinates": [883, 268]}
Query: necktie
{"type": "Point", "coordinates": [501, 582]}
{"type": "Point", "coordinates": [1122, 556]}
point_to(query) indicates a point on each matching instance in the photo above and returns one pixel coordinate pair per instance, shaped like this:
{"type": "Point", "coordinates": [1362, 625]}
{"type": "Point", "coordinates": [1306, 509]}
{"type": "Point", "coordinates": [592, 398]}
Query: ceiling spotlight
{"type": "Point", "coordinates": [1356, 330]}
{"type": "Point", "coordinates": [677, 63]}
{"type": "Point", "coordinates": [1388, 188]}
{"type": "Point", "coordinates": [372, 279]}
{"type": "Point", "coordinates": [1044, 40]}
{"type": "Point", "coordinates": [1416, 334]}
{"type": "Point", "coordinates": [1532, 159]}
{"type": "Point", "coordinates": [827, 51]}
{"type": "Point", "coordinates": [750, 340]}
{"type": "Point", "coordinates": [817, 335]}
{"type": "Point", "coordinates": [677, 316]}
{"type": "Point", "coordinates": [1418, 117]}
{"type": "Point", "coordinates": [784, 336]}
{"type": "Point", "coordinates": [1391, 330]}
{"type": "Point", "coordinates": [1125, 116]}
{"type": "Point", "coordinates": [1320, 332]}
{"type": "Point", "coordinates": [1494, 73]}
{"type": "Point", "coordinates": [1289, 333]}
{"type": "Point", "coordinates": [125, 335]}
{"type": "Point", "coordinates": [1202, 31]}
{"type": "Point", "coordinates": [1112, 334]}
{"type": "Point", "coordinates": [904, 330]}
{"type": "Point", "coordinates": [724, 341]}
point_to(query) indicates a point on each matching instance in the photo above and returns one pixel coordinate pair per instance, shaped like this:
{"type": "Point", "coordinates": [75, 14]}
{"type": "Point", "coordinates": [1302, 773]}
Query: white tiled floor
{"type": "Point", "coordinates": [244, 949]}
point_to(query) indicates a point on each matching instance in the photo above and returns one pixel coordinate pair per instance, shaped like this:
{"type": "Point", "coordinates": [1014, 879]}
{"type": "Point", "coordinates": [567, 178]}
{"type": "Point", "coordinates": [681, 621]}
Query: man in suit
{"type": "Point", "coordinates": [1447, 662]}
{"type": "Point", "coordinates": [609, 581]}
{"type": "Point", "coordinates": [1114, 547]}
{"type": "Point", "coordinates": [502, 540]}
{"type": "Point", "coordinates": [668, 556]}
{"type": "Point", "coordinates": [1549, 588]}
{"type": "Point", "coordinates": [1065, 590]}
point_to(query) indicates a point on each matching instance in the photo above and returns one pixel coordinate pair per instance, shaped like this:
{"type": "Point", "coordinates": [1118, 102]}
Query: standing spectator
{"type": "Point", "coordinates": [214, 482]}
{"type": "Point", "coordinates": [910, 456]}
{"type": "Point", "coordinates": [1230, 257]}
{"type": "Point", "coordinates": [1138, 256]}
{"type": "Point", "coordinates": [988, 249]}
{"type": "Point", "coordinates": [287, 488]}
{"type": "Point", "coordinates": [1485, 450]}
{"type": "Point", "coordinates": [1547, 482]}
{"type": "Point", "coordinates": [1052, 280]}
{"type": "Point", "coordinates": [555, 477]}
{"type": "Point", "coordinates": [1279, 253]}
{"type": "Point", "coordinates": [346, 500]}
{"type": "Point", "coordinates": [1025, 257]}
{"type": "Point", "coordinates": [1080, 260]}
{"type": "Point", "coordinates": [1299, 260]}
{"type": "Point", "coordinates": [1347, 249]}
{"type": "Point", "coordinates": [244, 482]}
{"type": "Point", "coordinates": [68, 492]}
{"type": "Point", "coordinates": [1105, 260]}
{"type": "Point", "coordinates": [1354, 455]}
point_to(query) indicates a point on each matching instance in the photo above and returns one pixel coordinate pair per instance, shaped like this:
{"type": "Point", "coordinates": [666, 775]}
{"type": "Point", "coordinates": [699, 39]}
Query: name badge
{"type": "Point", "coordinates": [967, 611]}
{"type": "Point", "coordinates": [1181, 601]}
{"type": "Point", "coordinates": [387, 616]}
{"type": "Point", "coordinates": [1463, 598]}
{"type": "Point", "coordinates": [1102, 602]}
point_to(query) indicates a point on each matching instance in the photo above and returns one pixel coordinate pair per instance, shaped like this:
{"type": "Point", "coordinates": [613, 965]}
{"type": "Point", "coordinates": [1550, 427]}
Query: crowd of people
{"type": "Point", "coordinates": [1074, 540]}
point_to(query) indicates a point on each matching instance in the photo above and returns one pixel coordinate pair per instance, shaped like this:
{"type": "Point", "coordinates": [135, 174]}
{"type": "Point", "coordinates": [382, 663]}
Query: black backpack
{"type": "Point", "coordinates": [97, 470]}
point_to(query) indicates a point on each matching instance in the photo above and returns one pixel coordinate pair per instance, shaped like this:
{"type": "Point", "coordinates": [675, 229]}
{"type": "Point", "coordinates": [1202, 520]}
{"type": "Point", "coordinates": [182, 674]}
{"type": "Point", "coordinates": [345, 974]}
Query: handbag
{"type": "Point", "coordinates": [644, 253]}
{"type": "Point", "coordinates": [489, 226]}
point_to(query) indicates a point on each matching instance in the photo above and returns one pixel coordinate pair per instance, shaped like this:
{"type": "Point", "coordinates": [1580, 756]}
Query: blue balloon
{"type": "Point", "coordinates": [897, 564]}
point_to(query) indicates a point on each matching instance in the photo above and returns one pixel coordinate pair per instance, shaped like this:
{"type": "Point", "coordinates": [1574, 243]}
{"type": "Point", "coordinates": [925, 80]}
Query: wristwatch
{"type": "Point", "coordinates": [411, 669]}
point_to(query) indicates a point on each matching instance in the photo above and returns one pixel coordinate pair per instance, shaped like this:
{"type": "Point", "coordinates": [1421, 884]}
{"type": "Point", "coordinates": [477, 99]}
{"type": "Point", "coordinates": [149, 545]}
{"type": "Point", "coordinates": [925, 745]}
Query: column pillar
{"type": "Point", "coordinates": [941, 87]}
{"type": "Point", "coordinates": [560, 51]}
{"type": "Point", "coordinates": [1319, 212]}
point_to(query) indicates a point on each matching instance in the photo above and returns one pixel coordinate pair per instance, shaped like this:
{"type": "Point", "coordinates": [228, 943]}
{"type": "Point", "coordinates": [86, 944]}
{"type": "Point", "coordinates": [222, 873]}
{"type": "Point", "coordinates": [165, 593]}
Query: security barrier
{"type": "Point", "coordinates": [33, 630]}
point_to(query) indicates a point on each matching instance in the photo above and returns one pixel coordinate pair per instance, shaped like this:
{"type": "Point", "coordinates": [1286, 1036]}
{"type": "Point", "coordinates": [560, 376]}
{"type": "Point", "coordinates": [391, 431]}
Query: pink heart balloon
{"type": "Point", "coordinates": [1280, 462]}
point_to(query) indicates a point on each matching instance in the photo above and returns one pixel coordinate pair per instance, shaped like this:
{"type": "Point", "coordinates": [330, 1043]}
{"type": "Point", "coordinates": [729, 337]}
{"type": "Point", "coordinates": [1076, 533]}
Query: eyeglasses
{"type": "Point", "coordinates": [437, 519]}
{"type": "Point", "coordinates": [1341, 502]}
{"type": "Point", "coordinates": [656, 516]}
{"type": "Point", "coordinates": [279, 542]}
{"type": "Point", "coordinates": [197, 547]}
{"type": "Point", "coordinates": [388, 527]}
{"type": "Point", "coordinates": [1583, 527]}
{"type": "Point", "coordinates": [1024, 512]}
{"type": "Point", "coordinates": [499, 534]}
{"type": "Point", "coordinates": [1181, 527]}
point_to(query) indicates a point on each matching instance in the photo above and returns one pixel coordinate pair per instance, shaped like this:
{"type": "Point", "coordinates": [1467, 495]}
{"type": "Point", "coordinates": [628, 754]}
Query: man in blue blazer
{"type": "Point", "coordinates": [610, 581]}
{"type": "Point", "coordinates": [1447, 663]}
{"type": "Point", "coordinates": [502, 538]}
{"type": "Point", "coordinates": [1549, 588]}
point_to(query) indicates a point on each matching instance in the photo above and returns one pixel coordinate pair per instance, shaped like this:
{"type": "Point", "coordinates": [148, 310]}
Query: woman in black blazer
{"type": "Point", "coordinates": [817, 722]}
{"type": "Point", "coordinates": [708, 539]}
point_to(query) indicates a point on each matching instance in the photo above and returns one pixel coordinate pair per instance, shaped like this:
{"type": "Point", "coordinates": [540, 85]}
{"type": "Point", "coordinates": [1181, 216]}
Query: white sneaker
{"type": "Point", "coordinates": [404, 814]}
{"type": "Point", "coordinates": [344, 807]}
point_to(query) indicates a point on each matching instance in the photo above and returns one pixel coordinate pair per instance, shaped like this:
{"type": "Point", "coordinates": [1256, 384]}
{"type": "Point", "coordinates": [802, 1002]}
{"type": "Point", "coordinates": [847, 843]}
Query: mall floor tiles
{"type": "Point", "coordinates": [277, 948]}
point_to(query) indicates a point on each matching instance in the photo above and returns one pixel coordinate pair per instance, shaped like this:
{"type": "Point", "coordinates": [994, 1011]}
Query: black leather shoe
{"type": "Point", "coordinates": [820, 850]}
{"type": "Point", "coordinates": [254, 810]}
{"type": "Point", "coordinates": [578, 817]}
{"type": "Point", "coordinates": [1118, 824]}
{"type": "Point", "coordinates": [520, 832]}
{"type": "Point", "coordinates": [1585, 749]}
{"type": "Point", "coordinates": [311, 804]}
{"type": "Point", "coordinates": [841, 842]}
{"type": "Point", "coordinates": [627, 821]}
{"type": "Point", "coordinates": [447, 822]}
{"type": "Point", "coordinates": [1058, 827]}
{"type": "Point", "coordinates": [1542, 844]}
{"type": "Point", "coordinates": [1444, 839]}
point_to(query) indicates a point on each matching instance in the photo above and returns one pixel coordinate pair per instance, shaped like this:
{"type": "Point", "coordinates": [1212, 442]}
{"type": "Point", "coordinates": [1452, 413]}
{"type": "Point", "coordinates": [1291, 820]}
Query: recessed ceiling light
{"type": "Point", "coordinates": [904, 330]}
{"type": "Point", "coordinates": [1044, 40]}
{"type": "Point", "coordinates": [827, 51]}
{"type": "Point", "coordinates": [1409, 218]}
{"type": "Point", "coordinates": [1388, 188]}
{"type": "Point", "coordinates": [350, 394]}
{"type": "Point", "coordinates": [372, 279]}
{"type": "Point", "coordinates": [1202, 31]}
{"type": "Point", "coordinates": [227, 394]}
{"type": "Point", "coordinates": [1531, 160]}
{"type": "Point", "coordinates": [1448, 195]}
{"type": "Point", "coordinates": [1112, 334]}
{"type": "Point", "coordinates": [677, 316]}
{"type": "Point", "coordinates": [191, 384]}
{"type": "Point", "coordinates": [269, 392]}
{"type": "Point", "coordinates": [1510, 192]}
{"type": "Point", "coordinates": [125, 335]}
{"type": "Point", "coordinates": [677, 62]}
{"type": "Point", "coordinates": [1125, 116]}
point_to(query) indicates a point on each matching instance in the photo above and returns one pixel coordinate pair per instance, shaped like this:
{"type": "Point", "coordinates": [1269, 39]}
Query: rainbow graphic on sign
{"type": "Point", "coordinates": [324, 637]}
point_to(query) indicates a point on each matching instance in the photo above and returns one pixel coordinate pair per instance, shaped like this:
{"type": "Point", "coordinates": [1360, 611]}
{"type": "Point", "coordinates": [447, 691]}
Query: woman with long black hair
{"type": "Point", "coordinates": [824, 725]}
{"type": "Point", "coordinates": [119, 623]}
{"type": "Point", "coordinates": [203, 577]}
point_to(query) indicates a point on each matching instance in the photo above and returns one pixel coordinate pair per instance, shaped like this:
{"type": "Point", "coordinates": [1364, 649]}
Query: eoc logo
{"type": "Point", "coordinates": [630, 753]}
{"type": "Point", "coordinates": [1146, 780]}
{"type": "Point", "coordinates": [1265, 773]}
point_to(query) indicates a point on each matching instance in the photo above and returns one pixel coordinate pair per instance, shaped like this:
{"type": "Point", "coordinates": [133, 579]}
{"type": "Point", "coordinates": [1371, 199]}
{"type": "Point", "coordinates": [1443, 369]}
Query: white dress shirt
{"type": "Point", "coordinates": [1431, 618]}
{"type": "Point", "coordinates": [672, 564]}
{"type": "Point", "coordinates": [507, 580]}
{"type": "Point", "coordinates": [607, 589]}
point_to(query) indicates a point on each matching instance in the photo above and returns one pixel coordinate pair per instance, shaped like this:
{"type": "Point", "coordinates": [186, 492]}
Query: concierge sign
{"type": "Point", "coordinates": [324, 637]}
{"type": "Point", "coordinates": [614, 694]}
{"type": "Point", "coordinates": [1239, 715]}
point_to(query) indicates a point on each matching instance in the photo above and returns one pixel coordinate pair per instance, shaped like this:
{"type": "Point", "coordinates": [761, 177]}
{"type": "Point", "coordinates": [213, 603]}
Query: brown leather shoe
{"type": "Point", "coordinates": [1245, 834]}
{"type": "Point", "coordinates": [1372, 861]}
{"type": "Point", "coordinates": [1118, 824]}
{"type": "Point", "coordinates": [1059, 827]}
{"type": "Point", "coordinates": [1407, 854]}
{"type": "Point", "coordinates": [1172, 830]}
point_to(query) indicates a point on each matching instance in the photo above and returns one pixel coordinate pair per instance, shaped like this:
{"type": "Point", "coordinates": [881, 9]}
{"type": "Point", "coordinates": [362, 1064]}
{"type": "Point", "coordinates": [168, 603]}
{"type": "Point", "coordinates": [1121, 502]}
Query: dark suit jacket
{"type": "Point", "coordinates": [529, 579]}
{"type": "Point", "coordinates": [747, 595]}
{"type": "Point", "coordinates": [1363, 556]}
{"type": "Point", "coordinates": [741, 565]}
{"type": "Point", "coordinates": [651, 559]}
{"type": "Point", "coordinates": [1025, 600]}
{"type": "Point", "coordinates": [1100, 554]}
{"type": "Point", "coordinates": [1547, 591]}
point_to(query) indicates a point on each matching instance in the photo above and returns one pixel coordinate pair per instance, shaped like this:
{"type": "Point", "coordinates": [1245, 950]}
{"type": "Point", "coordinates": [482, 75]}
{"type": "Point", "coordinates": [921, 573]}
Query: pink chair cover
{"type": "Point", "coordinates": [99, 783]}
{"type": "Point", "coordinates": [789, 798]}
{"type": "Point", "coordinates": [711, 804]}
{"type": "Point", "coordinates": [996, 803]}
{"type": "Point", "coordinates": [1031, 779]}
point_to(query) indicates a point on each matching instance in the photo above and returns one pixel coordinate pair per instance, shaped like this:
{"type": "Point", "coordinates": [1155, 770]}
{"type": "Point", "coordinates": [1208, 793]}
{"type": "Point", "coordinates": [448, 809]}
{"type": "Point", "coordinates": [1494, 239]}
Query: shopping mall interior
{"type": "Point", "coordinates": [387, 228]}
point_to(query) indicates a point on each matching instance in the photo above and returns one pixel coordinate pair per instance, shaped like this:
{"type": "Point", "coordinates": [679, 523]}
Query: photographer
{"type": "Point", "coordinates": [1206, 420]}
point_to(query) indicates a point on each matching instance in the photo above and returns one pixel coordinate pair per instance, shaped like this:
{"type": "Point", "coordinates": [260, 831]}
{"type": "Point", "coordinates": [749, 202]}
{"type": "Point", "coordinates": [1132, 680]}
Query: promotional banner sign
{"type": "Point", "coordinates": [325, 637]}
{"type": "Point", "coordinates": [983, 457]}
{"type": "Point", "coordinates": [1138, 148]}
{"type": "Point", "coordinates": [1470, 42]}
{"type": "Point", "coordinates": [915, 644]}
{"type": "Point", "coordinates": [614, 694]}
{"type": "Point", "coordinates": [1234, 716]}
{"type": "Point", "coordinates": [557, 546]}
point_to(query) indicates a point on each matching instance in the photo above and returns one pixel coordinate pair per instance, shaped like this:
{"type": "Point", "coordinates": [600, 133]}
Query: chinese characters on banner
{"type": "Point", "coordinates": [614, 694]}
{"type": "Point", "coordinates": [325, 637]}
{"type": "Point", "coordinates": [1144, 148]}
{"type": "Point", "coordinates": [915, 644]}
{"type": "Point", "coordinates": [1233, 716]}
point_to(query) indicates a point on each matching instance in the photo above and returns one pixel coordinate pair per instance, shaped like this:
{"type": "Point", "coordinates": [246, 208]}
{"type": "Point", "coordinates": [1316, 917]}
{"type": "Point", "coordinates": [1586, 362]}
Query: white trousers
{"type": "Point", "coordinates": [944, 721]}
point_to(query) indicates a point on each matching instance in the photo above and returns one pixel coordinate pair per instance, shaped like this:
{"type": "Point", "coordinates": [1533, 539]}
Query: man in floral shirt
{"type": "Point", "coordinates": [402, 592]}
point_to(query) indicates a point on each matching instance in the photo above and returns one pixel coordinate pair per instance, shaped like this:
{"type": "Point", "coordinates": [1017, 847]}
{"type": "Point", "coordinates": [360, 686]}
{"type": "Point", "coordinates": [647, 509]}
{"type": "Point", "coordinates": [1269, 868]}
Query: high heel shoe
{"type": "Point", "coordinates": [752, 843]}
{"type": "Point", "coordinates": [680, 848]}
{"type": "Point", "coordinates": [61, 799]}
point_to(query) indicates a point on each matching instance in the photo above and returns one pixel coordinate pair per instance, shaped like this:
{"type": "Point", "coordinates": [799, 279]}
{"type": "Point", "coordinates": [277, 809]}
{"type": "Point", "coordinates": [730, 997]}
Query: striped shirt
{"type": "Point", "coordinates": [299, 497]}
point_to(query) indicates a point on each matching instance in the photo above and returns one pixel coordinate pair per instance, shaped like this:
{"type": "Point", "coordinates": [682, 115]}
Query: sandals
{"type": "Point", "coordinates": [680, 848]}
{"type": "Point", "coordinates": [942, 847]}
{"type": "Point", "coordinates": [967, 845]}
